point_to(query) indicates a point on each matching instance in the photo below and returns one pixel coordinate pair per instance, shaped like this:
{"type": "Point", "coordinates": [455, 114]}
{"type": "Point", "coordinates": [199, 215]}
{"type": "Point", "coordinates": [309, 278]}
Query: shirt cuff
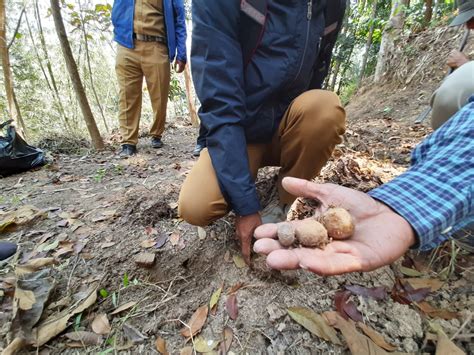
{"type": "Point", "coordinates": [246, 205]}
{"type": "Point", "coordinates": [411, 195]}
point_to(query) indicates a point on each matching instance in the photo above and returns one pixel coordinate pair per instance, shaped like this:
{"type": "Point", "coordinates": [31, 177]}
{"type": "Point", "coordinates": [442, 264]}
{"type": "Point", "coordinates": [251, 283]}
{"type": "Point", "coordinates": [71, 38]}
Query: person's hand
{"type": "Point", "coordinates": [380, 237]}
{"type": "Point", "coordinates": [179, 66]}
{"type": "Point", "coordinates": [456, 59]}
{"type": "Point", "coordinates": [245, 227]}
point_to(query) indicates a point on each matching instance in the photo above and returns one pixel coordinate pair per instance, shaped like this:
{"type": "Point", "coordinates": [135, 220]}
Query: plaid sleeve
{"type": "Point", "coordinates": [435, 195]}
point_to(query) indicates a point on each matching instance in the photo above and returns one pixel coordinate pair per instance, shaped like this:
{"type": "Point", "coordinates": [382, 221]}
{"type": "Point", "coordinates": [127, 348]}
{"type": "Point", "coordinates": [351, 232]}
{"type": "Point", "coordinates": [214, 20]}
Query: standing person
{"type": "Point", "coordinates": [458, 86]}
{"type": "Point", "coordinates": [258, 67]}
{"type": "Point", "coordinates": [150, 35]}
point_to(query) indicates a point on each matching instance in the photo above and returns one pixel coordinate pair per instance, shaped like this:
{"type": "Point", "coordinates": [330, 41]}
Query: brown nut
{"type": "Point", "coordinates": [338, 223]}
{"type": "Point", "coordinates": [311, 233]}
{"type": "Point", "coordinates": [286, 234]}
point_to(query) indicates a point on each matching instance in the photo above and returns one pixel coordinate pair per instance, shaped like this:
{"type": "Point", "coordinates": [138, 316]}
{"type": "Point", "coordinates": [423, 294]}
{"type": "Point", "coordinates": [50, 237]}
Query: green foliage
{"type": "Point", "coordinates": [104, 293]}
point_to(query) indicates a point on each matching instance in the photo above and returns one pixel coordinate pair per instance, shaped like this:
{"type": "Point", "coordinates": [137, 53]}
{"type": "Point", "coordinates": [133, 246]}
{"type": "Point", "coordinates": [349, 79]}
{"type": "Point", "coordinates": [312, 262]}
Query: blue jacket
{"type": "Point", "coordinates": [245, 105]}
{"type": "Point", "coordinates": [175, 22]}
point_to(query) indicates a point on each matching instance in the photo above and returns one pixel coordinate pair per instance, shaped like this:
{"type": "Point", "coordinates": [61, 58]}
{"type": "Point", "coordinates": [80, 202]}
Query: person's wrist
{"type": "Point", "coordinates": [407, 232]}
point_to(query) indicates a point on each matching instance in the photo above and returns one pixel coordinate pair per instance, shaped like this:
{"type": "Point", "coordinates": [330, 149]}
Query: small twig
{"type": "Point", "coordinates": [468, 320]}
{"type": "Point", "coordinates": [72, 272]}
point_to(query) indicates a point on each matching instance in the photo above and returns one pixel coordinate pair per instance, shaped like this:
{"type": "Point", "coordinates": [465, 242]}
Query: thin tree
{"type": "Point", "coordinates": [428, 12]}
{"type": "Point", "coordinates": [91, 77]}
{"type": "Point", "coordinates": [368, 43]}
{"type": "Point", "coordinates": [49, 67]}
{"type": "Point", "coordinates": [71, 65]}
{"type": "Point", "coordinates": [54, 91]}
{"type": "Point", "coordinates": [12, 103]}
{"type": "Point", "coordinates": [393, 30]}
{"type": "Point", "coordinates": [190, 97]}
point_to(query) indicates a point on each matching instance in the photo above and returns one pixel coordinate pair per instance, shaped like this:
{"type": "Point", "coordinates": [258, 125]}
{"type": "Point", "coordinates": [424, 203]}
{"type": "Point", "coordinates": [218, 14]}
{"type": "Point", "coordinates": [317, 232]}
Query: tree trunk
{"type": "Point", "coordinates": [86, 46]}
{"type": "Point", "coordinates": [190, 97]}
{"type": "Point", "coordinates": [12, 104]}
{"type": "Point", "coordinates": [428, 12]}
{"type": "Point", "coordinates": [368, 44]}
{"type": "Point", "coordinates": [75, 78]}
{"type": "Point", "coordinates": [334, 75]}
{"type": "Point", "coordinates": [393, 30]}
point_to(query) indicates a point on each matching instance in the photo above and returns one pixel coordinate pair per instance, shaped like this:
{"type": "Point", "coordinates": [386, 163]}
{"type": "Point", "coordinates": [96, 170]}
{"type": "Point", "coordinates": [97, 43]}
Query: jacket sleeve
{"type": "Point", "coordinates": [180, 29]}
{"type": "Point", "coordinates": [217, 67]}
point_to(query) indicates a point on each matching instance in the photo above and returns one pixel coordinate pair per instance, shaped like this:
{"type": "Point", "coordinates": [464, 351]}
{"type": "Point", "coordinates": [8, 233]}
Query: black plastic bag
{"type": "Point", "coordinates": [16, 155]}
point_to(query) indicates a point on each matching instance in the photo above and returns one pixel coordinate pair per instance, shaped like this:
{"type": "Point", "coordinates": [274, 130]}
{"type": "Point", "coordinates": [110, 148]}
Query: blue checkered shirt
{"type": "Point", "coordinates": [435, 195]}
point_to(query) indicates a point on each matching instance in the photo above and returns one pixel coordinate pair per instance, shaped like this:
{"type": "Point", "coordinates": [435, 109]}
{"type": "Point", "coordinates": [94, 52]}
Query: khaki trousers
{"type": "Point", "coordinates": [149, 60]}
{"type": "Point", "coordinates": [310, 129]}
{"type": "Point", "coordinates": [452, 94]}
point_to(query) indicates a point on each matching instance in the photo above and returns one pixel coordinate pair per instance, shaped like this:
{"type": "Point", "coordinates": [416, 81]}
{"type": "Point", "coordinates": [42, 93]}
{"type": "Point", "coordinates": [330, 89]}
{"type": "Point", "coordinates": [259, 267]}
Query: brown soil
{"type": "Point", "coordinates": [116, 201]}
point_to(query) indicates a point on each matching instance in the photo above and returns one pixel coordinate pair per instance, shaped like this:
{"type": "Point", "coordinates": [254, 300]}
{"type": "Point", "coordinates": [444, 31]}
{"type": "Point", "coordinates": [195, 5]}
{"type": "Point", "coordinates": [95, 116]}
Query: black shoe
{"type": "Point", "coordinates": [128, 150]}
{"type": "Point", "coordinates": [197, 150]}
{"type": "Point", "coordinates": [7, 249]}
{"type": "Point", "coordinates": [156, 142]}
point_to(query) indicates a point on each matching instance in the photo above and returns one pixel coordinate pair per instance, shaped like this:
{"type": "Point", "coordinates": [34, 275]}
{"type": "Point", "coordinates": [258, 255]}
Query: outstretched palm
{"type": "Point", "coordinates": [381, 236]}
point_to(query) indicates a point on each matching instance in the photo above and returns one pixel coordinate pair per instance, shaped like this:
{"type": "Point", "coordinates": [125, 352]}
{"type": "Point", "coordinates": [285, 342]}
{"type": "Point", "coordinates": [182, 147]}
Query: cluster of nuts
{"type": "Point", "coordinates": [336, 223]}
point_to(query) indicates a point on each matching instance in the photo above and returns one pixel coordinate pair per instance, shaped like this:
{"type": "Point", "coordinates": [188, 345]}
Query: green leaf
{"type": "Point", "coordinates": [51, 246]}
{"type": "Point", "coordinates": [314, 322]}
{"type": "Point", "coordinates": [125, 280]}
{"type": "Point", "coordinates": [103, 292]}
{"type": "Point", "coordinates": [215, 298]}
{"type": "Point", "coordinates": [114, 299]}
{"type": "Point", "coordinates": [77, 321]}
{"type": "Point", "coordinates": [410, 272]}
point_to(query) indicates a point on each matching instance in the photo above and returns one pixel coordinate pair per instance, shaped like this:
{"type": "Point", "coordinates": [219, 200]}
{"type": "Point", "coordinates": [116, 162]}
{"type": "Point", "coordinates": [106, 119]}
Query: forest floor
{"type": "Point", "coordinates": [93, 214]}
{"type": "Point", "coordinates": [99, 212]}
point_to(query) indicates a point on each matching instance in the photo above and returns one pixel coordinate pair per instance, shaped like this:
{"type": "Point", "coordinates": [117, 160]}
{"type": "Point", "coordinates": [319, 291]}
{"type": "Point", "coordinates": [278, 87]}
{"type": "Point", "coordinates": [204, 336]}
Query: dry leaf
{"type": "Point", "coordinates": [84, 338]}
{"type": "Point", "coordinates": [214, 299]}
{"type": "Point", "coordinates": [161, 240]}
{"type": "Point", "coordinates": [226, 342]}
{"type": "Point", "coordinates": [433, 312]}
{"type": "Point", "coordinates": [133, 334]}
{"type": "Point", "coordinates": [188, 350]}
{"type": "Point", "coordinates": [32, 291]}
{"type": "Point", "coordinates": [109, 213]}
{"type": "Point", "coordinates": [123, 307]}
{"type": "Point", "coordinates": [101, 325]}
{"type": "Point", "coordinates": [33, 265]}
{"type": "Point", "coordinates": [174, 239]}
{"type": "Point", "coordinates": [25, 299]}
{"type": "Point", "coordinates": [432, 284]}
{"type": "Point", "coordinates": [196, 322]}
{"type": "Point", "coordinates": [239, 261]}
{"type": "Point", "coordinates": [405, 294]}
{"type": "Point", "coordinates": [444, 345]}
{"type": "Point", "coordinates": [232, 306]}
{"type": "Point", "coordinates": [201, 233]}
{"type": "Point", "coordinates": [313, 322]}
{"type": "Point", "coordinates": [346, 307]}
{"type": "Point", "coordinates": [358, 343]}
{"type": "Point", "coordinates": [148, 243]}
{"type": "Point", "coordinates": [376, 337]}
{"type": "Point", "coordinates": [57, 323]}
{"type": "Point", "coordinates": [202, 345]}
{"type": "Point", "coordinates": [150, 231]}
{"type": "Point", "coordinates": [160, 345]}
{"type": "Point", "coordinates": [107, 245]}
{"type": "Point", "coordinates": [377, 293]}
{"type": "Point", "coordinates": [21, 216]}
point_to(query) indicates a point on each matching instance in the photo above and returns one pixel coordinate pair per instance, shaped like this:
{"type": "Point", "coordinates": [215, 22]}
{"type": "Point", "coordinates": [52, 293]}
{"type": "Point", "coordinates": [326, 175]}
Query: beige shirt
{"type": "Point", "coordinates": [148, 18]}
